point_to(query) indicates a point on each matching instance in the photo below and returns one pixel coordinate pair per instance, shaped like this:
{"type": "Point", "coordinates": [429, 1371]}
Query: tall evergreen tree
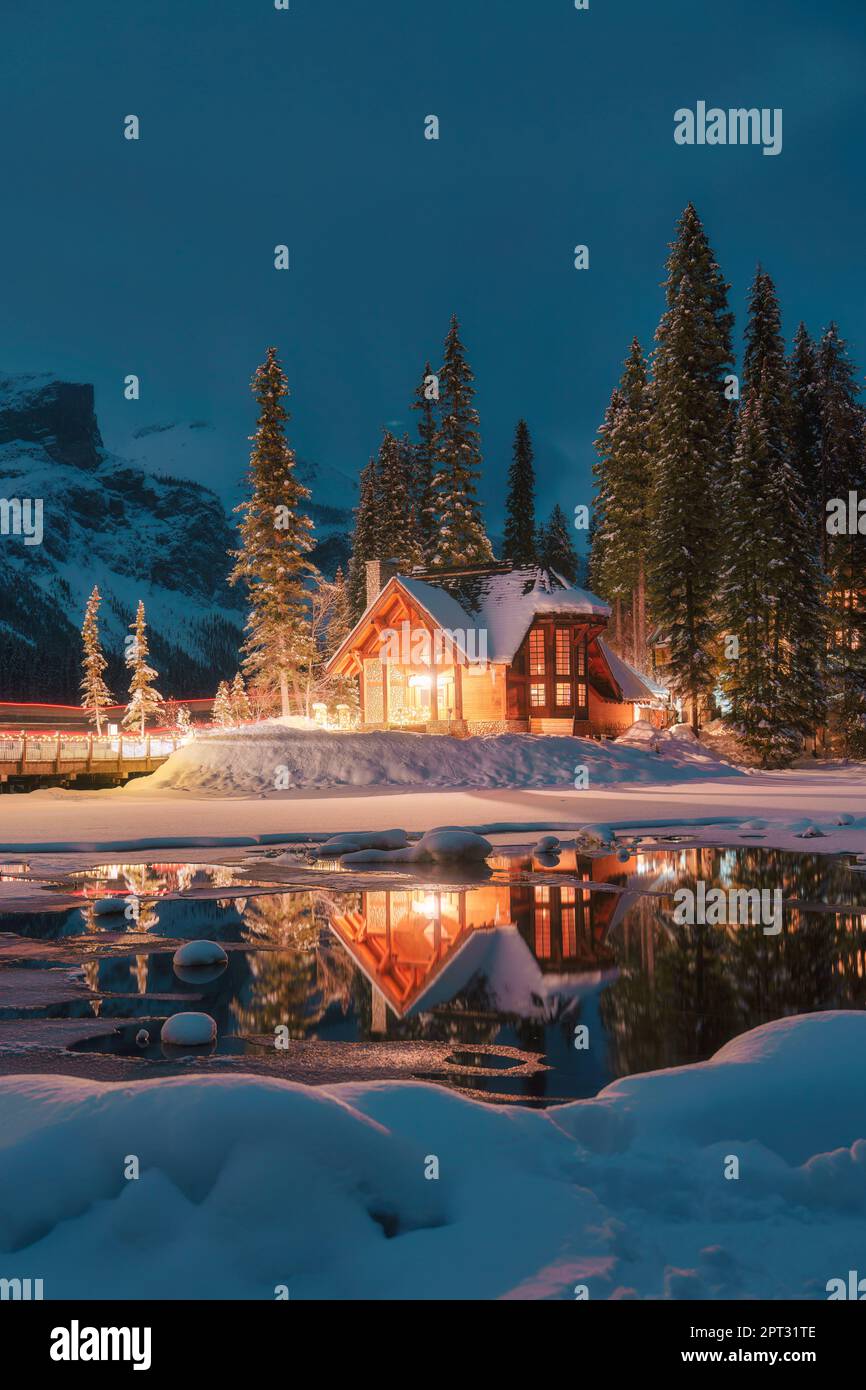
{"type": "Point", "coordinates": [364, 545]}
{"type": "Point", "coordinates": [625, 465]}
{"type": "Point", "coordinates": [396, 534]}
{"type": "Point", "coordinates": [145, 700]}
{"type": "Point", "coordinates": [692, 357]}
{"type": "Point", "coordinates": [842, 471]}
{"type": "Point", "coordinates": [95, 693]}
{"type": "Point", "coordinates": [770, 586]}
{"type": "Point", "coordinates": [425, 403]}
{"type": "Point", "coordinates": [520, 503]}
{"type": "Point", "coordinates": [806, 420]}
{"type": "Point", "coordinates": [556, 548]}
{"type": "Point", "coordinates": [276, 539]}
{"type": "Point", "coordinates": [601, 578]}
{"type": "Point", "coordinates": [461, 537]}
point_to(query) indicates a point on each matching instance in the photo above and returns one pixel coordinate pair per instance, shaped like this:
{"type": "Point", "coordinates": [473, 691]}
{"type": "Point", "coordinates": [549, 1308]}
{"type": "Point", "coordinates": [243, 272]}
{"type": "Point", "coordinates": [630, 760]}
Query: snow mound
{"type": "Point", "coordinates": [352, 842]}
{"type": "Point", "coordinates": [448, 845]}
{"type": "Point", "coordinates": [249, 1183]}
{"type": "Point", "coordinates": [270, 759]}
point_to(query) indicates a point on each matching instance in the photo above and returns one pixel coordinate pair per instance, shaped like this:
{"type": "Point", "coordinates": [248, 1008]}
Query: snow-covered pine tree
{"type": "Point", "coordinates": [600, 579]}
{"type": "Point", "coordinates": [770, 586]}
{"type": "Point", "coordinates": [222, 706]}
{"type": "Point", "coordinates": [395, 528]}
{"type": "Point", "coordinates": [364, 545]}
{"type": "Point", "coordinates": [520, 535]}
{"type": "Point", "coordinates": [240, 701]}
{"type": "Point", "coordinates": [339, 626]}
{"type": "Point", "coordinates": [145, 700]}
{"type": "Point", "coordinates": [275, 541]}
{"type": "Point", "coordinates": [843, 470]}
{"type": "Point", "coordinates": [461, 538]}
{"type": "Point", "coordinates": [557, 551]}
{"type": "Point", "coordinates": [426, 403]}
{"type": "Point", "coordinates": [626, 469]}
{"type": "Point", "coordinates": [95, 693]}
{"type": "Point", "coordinates": [806, 419]}
{"type": "Point", "coordinates": [691, 428]}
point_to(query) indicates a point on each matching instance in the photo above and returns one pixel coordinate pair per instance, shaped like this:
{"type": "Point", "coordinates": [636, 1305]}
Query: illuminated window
{"type": "Point", "coordinates": [580, 651]}
{"type": "Point", "coordinates": [567, 895]}
{"type": "Point", "coordinates": [569, 932]}
{"type": "Point", "coordinates": [536, 653]}
{"type": "Point", "coordinates": [563, 693]}
{"type": "Point", "coordinates": [536, 696]}
{"type": "Point", "coordinates": [580, 696]}
{"type": "Point", "coordinates": [563, 652]}
{"type": "Point", "coordinates": [542, 922]}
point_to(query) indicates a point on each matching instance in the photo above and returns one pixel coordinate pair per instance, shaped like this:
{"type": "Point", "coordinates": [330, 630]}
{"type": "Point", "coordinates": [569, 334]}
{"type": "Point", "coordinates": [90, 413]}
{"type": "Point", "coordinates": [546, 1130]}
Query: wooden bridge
{"type": "Point", "coordinates": [63, 757]}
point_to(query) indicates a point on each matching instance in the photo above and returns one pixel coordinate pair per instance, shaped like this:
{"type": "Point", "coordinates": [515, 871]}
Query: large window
{"type": "Point", "coordinates": [580, 651]}
{"type": "Point", "coordinates": [563, 652]}
{"type": "Point", "coordinates": [542, 923]}
{"type": "Point", "coordinates": [563, 694]}
{"type": "Point", "coordinates": [580, 695]}
{"type": "Point", "coordinates": [536, 653]}
{"type": "Point", "coordinates": [537, 696]}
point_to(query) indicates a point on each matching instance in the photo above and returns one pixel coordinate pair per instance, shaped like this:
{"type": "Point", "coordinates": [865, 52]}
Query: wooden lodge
{"type": "Point", "coordinates": [492, 649]}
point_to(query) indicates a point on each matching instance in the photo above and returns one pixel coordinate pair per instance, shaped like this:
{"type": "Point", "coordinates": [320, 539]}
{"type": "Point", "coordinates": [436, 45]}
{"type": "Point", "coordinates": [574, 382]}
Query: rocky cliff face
{"type": "Point", "coordinates": [105, 521]}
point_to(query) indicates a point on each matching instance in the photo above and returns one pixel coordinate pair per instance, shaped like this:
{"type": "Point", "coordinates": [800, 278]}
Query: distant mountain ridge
{"type": "Point", "coordinates": [133, 526]}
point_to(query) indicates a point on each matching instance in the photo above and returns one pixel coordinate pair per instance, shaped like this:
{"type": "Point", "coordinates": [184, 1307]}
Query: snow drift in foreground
{"type": "Point", "coordinates": [271, 759]}
{"type": "Point", "coordinates": [247, 1184]}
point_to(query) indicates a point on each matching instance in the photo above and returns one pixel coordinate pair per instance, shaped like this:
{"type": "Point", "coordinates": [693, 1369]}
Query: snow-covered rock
{"type": "Point", "coordinates": [107, 907]}
{"type": "Point", "coordinates": [188, 1030]}
{"type": "Point", "coordinates": [198, 953]}
{"type": "Point", "coordinates": [448, 845]}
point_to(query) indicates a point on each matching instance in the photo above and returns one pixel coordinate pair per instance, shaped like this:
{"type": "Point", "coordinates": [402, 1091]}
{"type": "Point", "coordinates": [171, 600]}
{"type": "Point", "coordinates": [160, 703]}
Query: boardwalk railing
{"type": "Point", "coordinates": [41, 755]}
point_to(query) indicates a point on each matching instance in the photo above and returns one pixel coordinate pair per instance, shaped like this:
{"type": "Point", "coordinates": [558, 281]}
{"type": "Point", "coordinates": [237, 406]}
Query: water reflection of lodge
{"type": "Point", "coordinates": [406, 940]}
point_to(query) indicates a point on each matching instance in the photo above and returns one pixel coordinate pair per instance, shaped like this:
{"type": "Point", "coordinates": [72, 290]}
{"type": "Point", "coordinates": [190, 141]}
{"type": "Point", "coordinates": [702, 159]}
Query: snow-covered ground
{"type": "Point", "coordinates": [143, 817]}
{"type": "Point", "coordinates": [246, 1185]}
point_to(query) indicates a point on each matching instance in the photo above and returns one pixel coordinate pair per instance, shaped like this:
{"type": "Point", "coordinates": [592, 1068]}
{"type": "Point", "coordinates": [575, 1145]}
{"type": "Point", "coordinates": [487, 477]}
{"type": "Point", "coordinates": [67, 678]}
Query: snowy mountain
{"type": "Point", "coordinates": [188, 449]}
{"type": "Point", "coordinates": [106, 521]}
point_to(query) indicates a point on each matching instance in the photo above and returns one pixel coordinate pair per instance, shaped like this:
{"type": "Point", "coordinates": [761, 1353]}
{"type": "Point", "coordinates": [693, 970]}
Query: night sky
{"type": "Point", "coordinates": [306, 127]}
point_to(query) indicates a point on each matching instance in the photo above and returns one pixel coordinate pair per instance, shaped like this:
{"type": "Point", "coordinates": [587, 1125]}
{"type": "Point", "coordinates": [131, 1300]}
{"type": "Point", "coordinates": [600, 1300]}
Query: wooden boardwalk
{"type": "Point", "coordinates": [63, 757]}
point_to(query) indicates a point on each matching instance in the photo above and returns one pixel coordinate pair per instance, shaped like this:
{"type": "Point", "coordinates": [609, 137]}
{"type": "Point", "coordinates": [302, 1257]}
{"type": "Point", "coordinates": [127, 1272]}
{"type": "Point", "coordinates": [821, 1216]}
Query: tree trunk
{"type": "Point", "coordinates": [640, 635]}
{"type": "Point", "coordinates": [284, 693]}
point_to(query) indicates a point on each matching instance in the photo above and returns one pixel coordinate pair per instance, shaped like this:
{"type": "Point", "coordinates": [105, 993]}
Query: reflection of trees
{"type": "Point", "coordinates": [686, 990]}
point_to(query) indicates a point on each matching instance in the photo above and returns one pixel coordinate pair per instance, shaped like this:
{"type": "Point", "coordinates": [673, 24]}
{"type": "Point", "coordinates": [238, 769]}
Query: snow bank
{"type": "Point", "coordinates": [271, 759]}
{"type": "Point", "coordinates": [247, 1183]}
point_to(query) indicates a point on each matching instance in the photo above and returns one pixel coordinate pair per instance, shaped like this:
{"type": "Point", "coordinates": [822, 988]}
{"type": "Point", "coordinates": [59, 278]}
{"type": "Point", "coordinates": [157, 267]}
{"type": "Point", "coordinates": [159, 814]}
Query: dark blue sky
{"type": "Point", "coordinates": [306, 127]}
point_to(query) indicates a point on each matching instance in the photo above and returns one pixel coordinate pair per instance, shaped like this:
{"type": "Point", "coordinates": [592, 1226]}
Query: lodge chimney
{"type": "Point", "coordinates": [378, 574]}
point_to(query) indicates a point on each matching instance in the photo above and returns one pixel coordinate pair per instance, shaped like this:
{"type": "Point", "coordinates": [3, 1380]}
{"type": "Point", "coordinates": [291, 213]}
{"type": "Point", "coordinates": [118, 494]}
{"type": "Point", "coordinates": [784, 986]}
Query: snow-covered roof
{"type": "Point", "coordinates": [635, 686]}
{"type": "Point", "coordinates": [504, 603]}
